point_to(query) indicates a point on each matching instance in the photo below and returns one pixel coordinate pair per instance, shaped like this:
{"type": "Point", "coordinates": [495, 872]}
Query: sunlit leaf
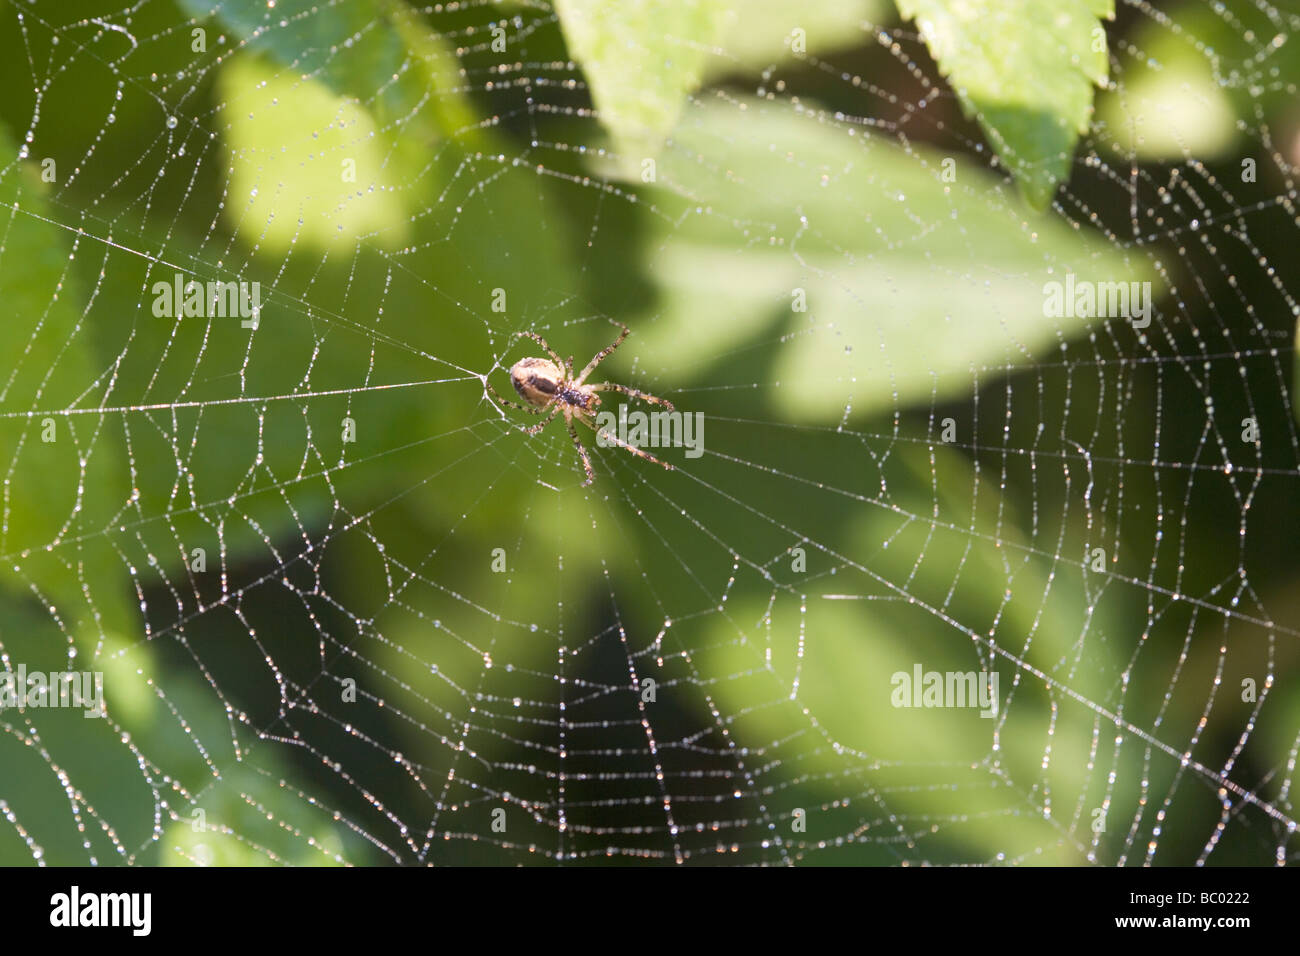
{"type": "Point", "coordinates": [910, 282]}
{"type": "Point", "coordinates": [1025, 70]}
{"type": "Point", "coordinates": [305, 165]}
{"type": "Point", "coordinates": [760, 33]}
{"type": "Point", "coordinates": [1171, 105]}
{"type": "Point", "coordinates": [642, 60]}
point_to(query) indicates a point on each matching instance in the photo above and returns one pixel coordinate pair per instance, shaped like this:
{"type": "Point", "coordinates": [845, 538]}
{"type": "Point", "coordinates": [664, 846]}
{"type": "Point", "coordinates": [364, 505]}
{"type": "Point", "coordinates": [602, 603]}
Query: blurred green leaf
{"type": "Point", "coordinates": [356, 49]}
{"type": "Point", "coordinates": [1171, 106]}
{"type": "Point", "coordinates": [759, 33]}
{"type": "Point", "coordinates": [67, 478]}
{"type": "Point", "coordinates": [248, 819]}
{"type": "Point", "coordinates": [1219, 58]}
{"type": "Point", "coordinates": [965, 557]}
{"type": "Point", "coordinates": [305, 165]}
{"type": "Point", "coordinates": [1025, 69]}
{"type": "Point", "coordinates": [642, 60]}
{"type": "Point", "coordinates": [910, 282]}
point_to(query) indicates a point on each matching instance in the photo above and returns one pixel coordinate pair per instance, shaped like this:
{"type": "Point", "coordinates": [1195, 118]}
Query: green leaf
{"type": "Point", "coordinates": [642, 60]}
{"type": "Point", "coordinates": [910, 281]}
{"type": "Point", "coordinates": [1025, 69]}
{"type": "Point", "coordinates": [961, 571]}
{"type": "Point", "coordinates": [306, 165]}
{"type": "Point", "coordinates": [356, 49]}
{"type": "Point", "coordinates": [66, 476]}
{"type": "Point", "coordinates": [1171, 105]}
{"type": "Point", "coordinates": [1191, 89]}
{"type": "Point", "coordinates": [760, 33]}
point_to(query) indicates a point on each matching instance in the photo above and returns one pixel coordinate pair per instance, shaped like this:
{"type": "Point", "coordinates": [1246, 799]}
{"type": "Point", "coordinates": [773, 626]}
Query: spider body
{"type": "Point", "coordinates": [536, 380]}
{"type": "Point", "coordinates": [548, 386]}
{"type": "Point", "coordinates": [540, 382]}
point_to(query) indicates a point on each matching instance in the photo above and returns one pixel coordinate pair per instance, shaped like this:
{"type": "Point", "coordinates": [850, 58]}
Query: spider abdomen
{"type": "Point", "coordinates": [536, 380]}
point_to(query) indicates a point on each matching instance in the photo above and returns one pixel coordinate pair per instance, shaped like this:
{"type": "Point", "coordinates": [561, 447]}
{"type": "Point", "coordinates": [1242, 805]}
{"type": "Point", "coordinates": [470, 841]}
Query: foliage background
{"type": "Point", "coordinates": [372, 561]}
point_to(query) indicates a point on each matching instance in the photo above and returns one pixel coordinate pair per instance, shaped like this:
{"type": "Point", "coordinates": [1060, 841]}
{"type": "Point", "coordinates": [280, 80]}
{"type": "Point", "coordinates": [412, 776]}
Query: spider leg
{"type": "Point", "coordinates": [600, 356]}
{"type": "Point", "coordinates": [611, 437]}
{"type": "Point", "coordinates": [633, 392]}
{"type": "Point", "coordinates": [586, 461]}
{"type": "Point", "coordinates": [530, 409]}
{"type": "Point", "coordinates": [555, 407]}
{"type": "Point", "coordinates": [559, 362]}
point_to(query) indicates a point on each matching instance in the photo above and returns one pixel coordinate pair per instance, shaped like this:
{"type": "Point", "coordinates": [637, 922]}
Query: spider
{"type": "Point", "coordinates": [548, 386]}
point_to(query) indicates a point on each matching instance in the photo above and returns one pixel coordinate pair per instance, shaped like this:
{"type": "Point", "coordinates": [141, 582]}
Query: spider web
{"type": "Point", "coordinates": [413, 636]}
